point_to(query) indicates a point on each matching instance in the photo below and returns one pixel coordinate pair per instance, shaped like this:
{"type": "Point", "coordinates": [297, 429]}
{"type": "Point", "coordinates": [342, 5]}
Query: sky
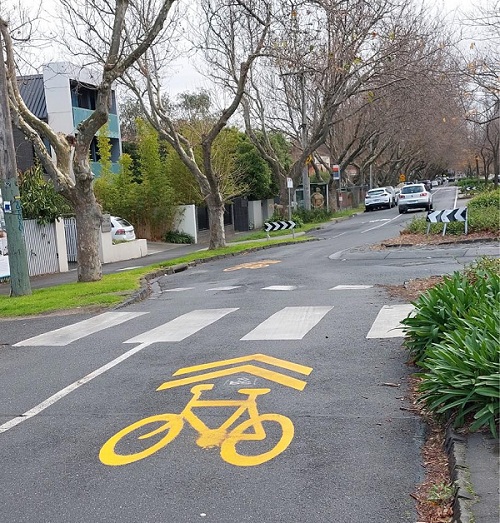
{"type": "Point", "coordinates": [184, 76]}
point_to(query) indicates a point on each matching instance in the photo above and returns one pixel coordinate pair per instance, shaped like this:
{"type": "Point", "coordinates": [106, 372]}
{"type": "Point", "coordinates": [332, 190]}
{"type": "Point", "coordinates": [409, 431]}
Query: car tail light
{"type": "Point", "coordinates": [401, 196]}
{"type": "Point", "coordinates": [120, 231]}
{"type": "Point", "coordinates": [423, 194]}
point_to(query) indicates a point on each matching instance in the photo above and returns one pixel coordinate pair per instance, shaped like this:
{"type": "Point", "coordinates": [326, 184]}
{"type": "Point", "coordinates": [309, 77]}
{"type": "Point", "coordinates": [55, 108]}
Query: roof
{"type": "Point", "coordinates": [33, 93]}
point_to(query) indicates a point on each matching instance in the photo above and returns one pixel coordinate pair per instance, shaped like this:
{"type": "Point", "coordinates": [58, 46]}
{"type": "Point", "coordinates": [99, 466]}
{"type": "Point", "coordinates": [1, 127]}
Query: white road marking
{"type": "Point", "coordinates": [130, 268]}
{"type": "Point", "coordinates": [291, 323]}
{"type": "Point", "coordinates": [179, 289]}
{"type": "Point", "coordinates": [350, 287]}
{"type": "Point", "coordinates": [181, 327]}
{"type": "Point", "coordinates": [70, 388]}
{"type": "Point", "coordinates": [279, 288]}
{"type": "Point", "coordinates": [387, 323]}
{"type": "Point", "coordinates": [70, 333]}
{"type": "Point", "coordinates": [228, 288]}
{"type": "Point", "coordinates": [382, 224]}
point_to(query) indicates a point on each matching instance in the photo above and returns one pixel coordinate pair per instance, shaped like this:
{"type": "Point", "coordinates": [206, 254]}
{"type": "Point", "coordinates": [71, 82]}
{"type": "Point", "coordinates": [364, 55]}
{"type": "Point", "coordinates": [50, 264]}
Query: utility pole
{"type": "Point", "coordinates": [306, 187]}
{"type": "Point", "coordinates": [18, 261]}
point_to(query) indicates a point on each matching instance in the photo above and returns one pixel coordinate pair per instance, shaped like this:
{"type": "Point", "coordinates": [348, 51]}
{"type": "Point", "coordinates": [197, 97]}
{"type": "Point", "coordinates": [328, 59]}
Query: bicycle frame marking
{"type": "Point", "coordinates": [208, 438]}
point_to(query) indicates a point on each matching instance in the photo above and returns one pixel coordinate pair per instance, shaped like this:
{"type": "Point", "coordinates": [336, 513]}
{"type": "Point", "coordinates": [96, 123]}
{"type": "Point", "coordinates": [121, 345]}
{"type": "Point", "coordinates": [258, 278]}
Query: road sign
{"type": "Point", "coordinates": [402, 177]}
{"type": "Point", "coordinates": [289, 183]}
{"type": "Point", "coordinates": [448, 215]}
{"type": "Point", "coordinates": [279, 226]}
{"type": "Point", "coordinates": [336, 172]}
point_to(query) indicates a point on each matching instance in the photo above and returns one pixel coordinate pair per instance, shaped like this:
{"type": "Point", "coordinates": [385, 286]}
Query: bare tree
{"type": "Point", "coordinates": [327, 53]}
{"type": "Point", "coordinates": [482, 72]}
{"type": "Point", "coordinates": [107, 33]}
{"type": "Point", "coordinates": [234, 35]}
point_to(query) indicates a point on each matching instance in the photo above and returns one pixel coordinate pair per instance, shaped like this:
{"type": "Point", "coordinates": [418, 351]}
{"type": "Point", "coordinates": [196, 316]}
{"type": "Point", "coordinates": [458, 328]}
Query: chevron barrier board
{"type": "Point", "coordinates": [447, 216]}
{"type": "Point", "coordinates": [279, 226]}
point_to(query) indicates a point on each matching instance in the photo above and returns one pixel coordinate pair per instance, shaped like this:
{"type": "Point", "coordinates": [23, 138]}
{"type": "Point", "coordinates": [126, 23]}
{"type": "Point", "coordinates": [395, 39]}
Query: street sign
{"type": "Point", "coordinates": [448, 215]}
{"type": "Point", "coordinates": [402, 177]}
{"type": "Point", "coordinates": [289, 183]}
{"type": "Point", "coordinates": [279, 226]}
{"type": "Point", "coordinates": [336, 172]}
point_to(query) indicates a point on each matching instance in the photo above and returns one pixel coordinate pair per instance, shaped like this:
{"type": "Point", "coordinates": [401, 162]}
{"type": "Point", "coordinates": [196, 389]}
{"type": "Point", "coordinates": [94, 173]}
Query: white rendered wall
{"type": "Point", "coordinates": [62, 253]}
{"type": "Point", "coordinates": [255, 214]}
{"type": "Point", "coordinates": [185, 221]}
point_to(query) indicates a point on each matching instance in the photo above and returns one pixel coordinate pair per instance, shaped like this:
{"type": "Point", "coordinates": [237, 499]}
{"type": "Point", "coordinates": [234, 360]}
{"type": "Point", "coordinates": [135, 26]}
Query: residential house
{"type": "Point", "coordinates": [63, 96]}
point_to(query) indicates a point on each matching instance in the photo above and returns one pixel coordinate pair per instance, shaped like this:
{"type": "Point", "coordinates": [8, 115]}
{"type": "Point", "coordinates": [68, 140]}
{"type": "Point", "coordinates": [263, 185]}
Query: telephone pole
{"type": "Point", "coordinates": [18, 261]}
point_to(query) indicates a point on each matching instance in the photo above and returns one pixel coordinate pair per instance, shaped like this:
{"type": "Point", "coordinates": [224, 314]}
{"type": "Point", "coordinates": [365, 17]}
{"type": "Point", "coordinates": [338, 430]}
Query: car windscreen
{"type": "Point", "coordinates": [413, 189]}
{"type": "Point", "coordinates": [123, 222]}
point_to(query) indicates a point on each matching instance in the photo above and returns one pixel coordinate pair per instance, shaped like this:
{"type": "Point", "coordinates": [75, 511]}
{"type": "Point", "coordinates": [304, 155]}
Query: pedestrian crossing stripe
{"type": "Point", "coordinates": [66, 335]}
{"type": "Point", "coordinates": [290, 323]}
{"type": "Point", "coordinates": [280, 288]}
{"type": "Point", "coordinates": [387, 324]}
{"type": "Point", "coordinates": [181, 327]}
{"type": "Point", "coordinates": [350, 287]}
{"type": "Point", "coordinates": [228, 288]}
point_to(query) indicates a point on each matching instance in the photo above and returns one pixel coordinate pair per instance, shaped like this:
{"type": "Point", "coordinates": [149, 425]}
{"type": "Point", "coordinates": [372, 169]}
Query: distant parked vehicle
{"type": "Point", "coordinates": [392, 191]}
{"type": "Point", "coordinates": [121, 230]}
{"type": "Point", "coordinates": [414, 196]}
{"type": "Point", "coordinates": [378, 198]}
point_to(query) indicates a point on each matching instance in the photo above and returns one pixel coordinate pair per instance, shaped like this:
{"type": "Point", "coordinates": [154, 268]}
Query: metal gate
{"type": "Point", "coordinates": [240, 210]}
{"type": "Point", "coordinates": [41, 248]}
{"type": "Point", "coordinates": [70, 235]}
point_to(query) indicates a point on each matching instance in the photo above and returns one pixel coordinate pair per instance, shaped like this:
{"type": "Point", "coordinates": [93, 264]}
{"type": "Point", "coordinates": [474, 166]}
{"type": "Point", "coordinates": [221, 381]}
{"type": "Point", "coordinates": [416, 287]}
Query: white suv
{"type": "Point", "coordinates": [414, 196]}
{"type": "Point", "coordinates": [380, 197]}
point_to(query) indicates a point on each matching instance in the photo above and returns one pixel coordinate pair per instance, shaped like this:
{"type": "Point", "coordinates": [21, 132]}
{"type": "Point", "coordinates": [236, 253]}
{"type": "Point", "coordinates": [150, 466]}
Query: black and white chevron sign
{"type": "Point", "coordinates": [448, 215]}
{"type": "Point", "coordinates": [279, 226]}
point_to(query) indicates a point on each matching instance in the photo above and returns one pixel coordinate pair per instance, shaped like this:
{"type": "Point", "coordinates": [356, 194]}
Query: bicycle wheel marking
{"type": "Point", "coordinates": [244, 443]}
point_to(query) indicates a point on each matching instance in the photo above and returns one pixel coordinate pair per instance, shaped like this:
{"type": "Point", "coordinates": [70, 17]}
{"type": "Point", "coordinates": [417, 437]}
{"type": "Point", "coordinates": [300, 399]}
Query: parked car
{"type": "Point", "coordinates": [427, 183]}
{"type": "Point", "coordinates": [392, 191]}
{"type": "Point", "coordinates": [414, 196]}
{"type": "Point", "coordinates": [378, 198]}
{"type": "Point", "coordinates": [121, 230]}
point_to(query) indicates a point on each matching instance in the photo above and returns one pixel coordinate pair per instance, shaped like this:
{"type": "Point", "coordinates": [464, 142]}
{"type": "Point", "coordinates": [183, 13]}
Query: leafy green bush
{"type": "Point", "coordinates": [463, 375]}
{"type": "Point", "coordinates": [39, 199]}
{"type": "Point", "coordinates": [485, 200]}
{"type": "Point", "coordinates": [178, 237]}
{"type": "Point", "coordinates": [475, 185]}
{"type": "Point", "coordinates": [454, 336]}
{"type": "Point", "coordinates": [313, 215]}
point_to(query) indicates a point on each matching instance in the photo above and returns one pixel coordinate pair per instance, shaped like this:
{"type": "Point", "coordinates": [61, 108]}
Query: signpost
{"type": "Point", "coordinates": [289, 184]}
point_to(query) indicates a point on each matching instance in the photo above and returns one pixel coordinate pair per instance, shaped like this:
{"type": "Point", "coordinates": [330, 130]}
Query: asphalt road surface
{"type": "Point", "coordinates": [277, 382]}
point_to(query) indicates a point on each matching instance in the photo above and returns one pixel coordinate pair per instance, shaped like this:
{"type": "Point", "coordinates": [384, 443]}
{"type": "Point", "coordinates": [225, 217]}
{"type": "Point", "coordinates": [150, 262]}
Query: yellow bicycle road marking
{"type": "Point", "coordinates": [252, 265]}
{"type": "Point", "coordinates": [302, 369]}
{"type": "Point", "coordinates": [226, 436]}
{"type": "Point", "coordinates": [250, 369]}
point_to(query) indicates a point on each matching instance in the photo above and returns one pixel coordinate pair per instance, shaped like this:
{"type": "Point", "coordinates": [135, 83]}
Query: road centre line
{"type": "Point", "coordinates": [70, 388]}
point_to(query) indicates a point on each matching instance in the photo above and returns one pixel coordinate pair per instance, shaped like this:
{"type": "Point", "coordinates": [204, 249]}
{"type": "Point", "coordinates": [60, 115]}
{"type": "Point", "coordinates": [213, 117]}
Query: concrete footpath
{"type": "Point", "coordinates": [474, 458]}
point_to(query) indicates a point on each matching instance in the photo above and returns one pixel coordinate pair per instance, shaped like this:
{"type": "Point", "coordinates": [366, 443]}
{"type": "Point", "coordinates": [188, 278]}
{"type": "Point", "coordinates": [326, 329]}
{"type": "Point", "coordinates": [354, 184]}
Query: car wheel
{"type": "Point", "coordinates": [401, 210]}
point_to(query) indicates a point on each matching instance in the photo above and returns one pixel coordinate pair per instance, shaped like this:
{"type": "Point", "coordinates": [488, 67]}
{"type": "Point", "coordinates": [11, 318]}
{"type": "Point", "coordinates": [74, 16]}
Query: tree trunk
{"type": "Point", "coordinates": [215, 206]}
{"type": "Point", "coordinates": [88, 229]}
